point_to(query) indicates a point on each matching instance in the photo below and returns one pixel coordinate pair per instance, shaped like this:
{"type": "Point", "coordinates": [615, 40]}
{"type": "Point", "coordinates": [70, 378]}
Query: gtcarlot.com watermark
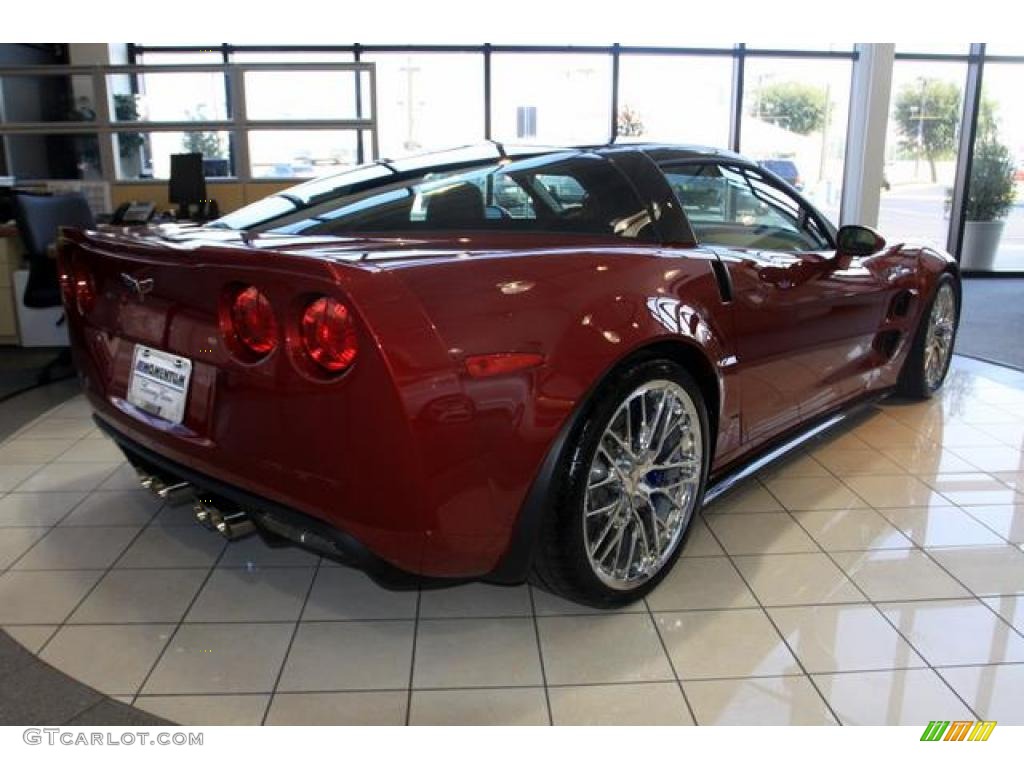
{"type": "Point", "coordinates": [80, 738]}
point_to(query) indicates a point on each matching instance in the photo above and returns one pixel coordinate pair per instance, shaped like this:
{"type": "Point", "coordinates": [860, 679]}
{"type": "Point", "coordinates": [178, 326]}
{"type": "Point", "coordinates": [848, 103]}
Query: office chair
{"type": "Point", "coordinates": [39, 218]}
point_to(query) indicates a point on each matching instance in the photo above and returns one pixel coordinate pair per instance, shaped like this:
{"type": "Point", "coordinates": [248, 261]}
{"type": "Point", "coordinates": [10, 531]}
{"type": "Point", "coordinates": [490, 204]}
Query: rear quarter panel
{"type": "Point", "coordinates": [584, 310]}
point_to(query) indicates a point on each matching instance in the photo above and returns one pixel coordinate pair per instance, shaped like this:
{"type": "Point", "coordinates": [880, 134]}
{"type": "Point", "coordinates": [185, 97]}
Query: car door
{"type": "Point", "coordinates": [803, 328]}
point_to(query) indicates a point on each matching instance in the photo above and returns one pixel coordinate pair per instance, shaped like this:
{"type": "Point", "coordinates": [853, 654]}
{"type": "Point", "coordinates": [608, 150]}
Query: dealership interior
{"type": "Point", "coordinates": [872, 576]}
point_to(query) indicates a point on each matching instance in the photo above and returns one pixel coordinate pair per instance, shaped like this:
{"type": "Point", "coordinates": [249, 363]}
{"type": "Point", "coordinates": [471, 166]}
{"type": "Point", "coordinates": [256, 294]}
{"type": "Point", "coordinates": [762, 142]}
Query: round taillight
{"type": "Point", "coordinates": [83, 286]}
{"type": "Point", "coordinates": [67, 285]}
{"type": "Point", "coordinates": [329, 335]}
{"type": "Point", "coordinates": [252, 321]}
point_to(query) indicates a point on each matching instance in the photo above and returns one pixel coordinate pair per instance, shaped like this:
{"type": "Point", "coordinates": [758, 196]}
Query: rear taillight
{"type": "Point", "coordinates": [328, 334]}
{"type": "Point", "coordinates": [67, 284]}
{"type": "Point", "coordinates": [247, 321]}
{"type": "Point", "coordinates": [78, 288]}
{"type": "Point", "coordinates": [85, 288]}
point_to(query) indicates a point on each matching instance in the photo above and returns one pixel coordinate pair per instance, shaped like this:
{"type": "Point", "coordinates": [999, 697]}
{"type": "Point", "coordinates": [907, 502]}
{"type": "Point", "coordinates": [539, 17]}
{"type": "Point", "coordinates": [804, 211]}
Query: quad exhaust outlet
{"type": "Point", "coordinates": [177, 494]}
{"type": "Point", "coordinates": [174, 493]}
{"type": "Point", "coordinates": [231, 524]}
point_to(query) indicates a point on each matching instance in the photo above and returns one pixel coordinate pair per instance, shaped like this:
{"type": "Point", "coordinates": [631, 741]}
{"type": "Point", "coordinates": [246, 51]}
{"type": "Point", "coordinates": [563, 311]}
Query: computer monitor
{"type": "Point", "coordinates": [188, 184]}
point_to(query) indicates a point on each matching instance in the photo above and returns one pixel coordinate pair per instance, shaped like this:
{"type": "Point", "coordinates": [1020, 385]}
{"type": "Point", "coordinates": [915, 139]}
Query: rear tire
{"type": "Point", "coordinates": [629, 483]}
{"type": "Point", "coordinates": [928, 361]}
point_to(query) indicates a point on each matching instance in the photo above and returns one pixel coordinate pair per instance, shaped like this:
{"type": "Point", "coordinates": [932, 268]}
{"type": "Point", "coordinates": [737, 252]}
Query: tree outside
{"type": "Point", "coordinates": [927, 115]}
{"type": "Point", "coordinates": [798, 107]}
{"type": "Point", "coordinates": [629, 122]}
{"type": "Point", "coordinates": [207, 143]}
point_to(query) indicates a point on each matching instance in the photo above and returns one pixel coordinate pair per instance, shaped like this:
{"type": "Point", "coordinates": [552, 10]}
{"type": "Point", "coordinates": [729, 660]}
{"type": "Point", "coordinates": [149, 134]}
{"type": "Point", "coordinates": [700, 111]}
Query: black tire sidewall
{"type": "Point", "coordinates": [576, 469]}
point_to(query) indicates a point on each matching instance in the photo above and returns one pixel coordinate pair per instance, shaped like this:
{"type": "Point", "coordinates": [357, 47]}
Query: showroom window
{"type": "Point", "coordinates": [169, 97]}
{"type": "Point", "coordinates": [794, 123]}
{"type": "Point", "coordinates": [428, 101]}
{"type": "Point", "coordinates": [675, 99]}
{"type": "Point", "coordinates": [302, 121]}
{"type": "Point", "coordinates": [290, 154]}
{"type": "Point", "coordinates": [289, 57]}
{"type": "Point", "coordinates": [199, 54]}
{"type": "Point", "coordinates": [925, 113]}
{"type": "Point", "coordinates": [570, 95]}
{"type": "Point", "coordinates": [790, 115]}
{"type": "Point", "coordinates": [148, 155]}
{"type": "Point", "coordinates": [994, 221]}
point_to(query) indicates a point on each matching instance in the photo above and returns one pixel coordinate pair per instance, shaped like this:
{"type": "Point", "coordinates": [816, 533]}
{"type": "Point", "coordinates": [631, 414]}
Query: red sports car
{"type": "Point", "coordinates": [496, 364]}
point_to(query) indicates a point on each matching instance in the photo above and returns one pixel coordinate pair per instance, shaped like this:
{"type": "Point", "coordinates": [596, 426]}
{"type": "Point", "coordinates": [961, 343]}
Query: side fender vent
{"type": "Point", "coordinates": [724, 280]}
{"type": "Point", "coordinates": [887, 342]}
{"type": "Point", "coordinates": [900, 304]}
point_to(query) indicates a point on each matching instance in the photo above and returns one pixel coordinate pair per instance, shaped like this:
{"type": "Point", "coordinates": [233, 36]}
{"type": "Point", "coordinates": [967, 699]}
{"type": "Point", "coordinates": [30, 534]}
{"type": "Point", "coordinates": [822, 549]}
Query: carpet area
{"type": "Point", "coordinates": [992, 321]}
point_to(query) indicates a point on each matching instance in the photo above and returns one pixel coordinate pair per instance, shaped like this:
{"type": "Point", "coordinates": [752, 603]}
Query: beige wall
{"type": "Point", "coordinates": [229, 195]}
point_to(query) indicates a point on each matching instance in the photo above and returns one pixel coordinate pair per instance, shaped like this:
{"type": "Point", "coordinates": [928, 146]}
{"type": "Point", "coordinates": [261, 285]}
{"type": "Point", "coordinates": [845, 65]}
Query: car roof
{"type": "Point", "coordinates": [495, 150]}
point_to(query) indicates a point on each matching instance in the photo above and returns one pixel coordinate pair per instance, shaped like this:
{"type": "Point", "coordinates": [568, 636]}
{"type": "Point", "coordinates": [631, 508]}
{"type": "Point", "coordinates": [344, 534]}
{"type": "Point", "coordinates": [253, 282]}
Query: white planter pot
{"type": "Point", "coordinates": [981, 241]}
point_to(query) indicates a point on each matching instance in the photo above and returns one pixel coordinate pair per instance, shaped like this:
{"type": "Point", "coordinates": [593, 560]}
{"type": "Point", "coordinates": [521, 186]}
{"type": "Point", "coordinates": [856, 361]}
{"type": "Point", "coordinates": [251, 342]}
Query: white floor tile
{"type": "Point", "coordinates": [349, 655]}
{"type": "Point", "coordinates": [711, 644]}
{"type": "Point", "coordinates": [602, 649]}
{"type": "Point", "coordinates": [221, 658]}
{"type": "Point", "coordinates": [758, 701]}
{"type": "Point", "coordinates": [471, 653]}
{"type": "Point", "coordinates": [890, 697]}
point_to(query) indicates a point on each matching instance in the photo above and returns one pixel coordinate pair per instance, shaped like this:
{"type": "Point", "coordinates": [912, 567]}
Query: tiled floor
{"type": "Point", "coordinates": [877, 577]}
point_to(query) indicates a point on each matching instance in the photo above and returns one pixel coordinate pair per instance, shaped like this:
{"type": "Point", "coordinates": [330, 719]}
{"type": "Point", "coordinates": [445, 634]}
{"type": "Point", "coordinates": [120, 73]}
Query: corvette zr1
{"type": "Point", "coordinates": [496, 363]}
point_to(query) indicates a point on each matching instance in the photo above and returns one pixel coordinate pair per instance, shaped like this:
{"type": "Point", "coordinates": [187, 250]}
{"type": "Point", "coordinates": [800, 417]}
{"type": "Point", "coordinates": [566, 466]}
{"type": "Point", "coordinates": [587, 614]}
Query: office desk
{"type": "Point", "coordinates": [11, 256]}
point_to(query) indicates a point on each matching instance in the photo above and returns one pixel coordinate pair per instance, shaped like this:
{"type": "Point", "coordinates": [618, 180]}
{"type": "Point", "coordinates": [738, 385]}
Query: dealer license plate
{"type": "Point", "coordinates": [159, 383]}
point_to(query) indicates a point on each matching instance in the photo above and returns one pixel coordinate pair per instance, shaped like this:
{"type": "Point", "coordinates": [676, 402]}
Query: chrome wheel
{"type": "Point", "coordinates": [938, 344]}
{"type": "Point", "coordinates": [642, 484]}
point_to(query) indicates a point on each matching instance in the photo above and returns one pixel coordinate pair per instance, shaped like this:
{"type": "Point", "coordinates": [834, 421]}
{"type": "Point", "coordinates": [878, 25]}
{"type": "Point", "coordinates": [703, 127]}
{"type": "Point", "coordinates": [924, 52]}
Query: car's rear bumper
{"type": "Point", "coordinates": [272, 519]}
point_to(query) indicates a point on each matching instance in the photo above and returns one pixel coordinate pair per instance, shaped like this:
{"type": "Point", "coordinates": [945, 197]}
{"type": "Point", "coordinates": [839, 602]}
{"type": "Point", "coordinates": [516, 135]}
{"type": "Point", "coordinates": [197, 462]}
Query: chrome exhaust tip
{"type": "Point", "coordinates": [176, 494]}
{"type": "Point", "coordinates": [234, 525]}
{"type": "Point", "coordinates": [202, 513]}
{"type": "Point", "coordinates": [231, 525]}
{"type": "Point", "coordinates": [151, 482]}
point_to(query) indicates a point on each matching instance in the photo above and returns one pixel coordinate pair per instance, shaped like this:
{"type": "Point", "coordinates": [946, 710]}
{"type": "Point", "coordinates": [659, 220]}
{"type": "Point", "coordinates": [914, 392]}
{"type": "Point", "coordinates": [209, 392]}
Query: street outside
{"type": "Point", "coordinates": [916, 211]}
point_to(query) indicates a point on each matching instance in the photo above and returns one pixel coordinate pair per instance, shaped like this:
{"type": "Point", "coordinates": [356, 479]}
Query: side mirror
{"type": "Point", "coordinates": [855, 240]}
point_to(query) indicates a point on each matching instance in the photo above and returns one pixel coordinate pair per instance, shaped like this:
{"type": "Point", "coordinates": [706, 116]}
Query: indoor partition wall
{"type": "Point", "coordinates": [248, 120]}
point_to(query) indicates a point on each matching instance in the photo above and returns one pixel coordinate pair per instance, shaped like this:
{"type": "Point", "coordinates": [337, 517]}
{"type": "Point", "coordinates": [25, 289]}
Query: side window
{"type": "Point", "coordinates": [509, 199]}
{"type": "Point", "coordinates": [737, 207]}
{"type": "Point", "coordinates": [564, 192]}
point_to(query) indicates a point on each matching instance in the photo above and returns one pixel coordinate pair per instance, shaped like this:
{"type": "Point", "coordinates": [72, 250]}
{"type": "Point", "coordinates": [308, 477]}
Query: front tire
{"type": "Point", "coordinates": [928, 360]}
{"type": "Point", "coordinates": [630, 481]}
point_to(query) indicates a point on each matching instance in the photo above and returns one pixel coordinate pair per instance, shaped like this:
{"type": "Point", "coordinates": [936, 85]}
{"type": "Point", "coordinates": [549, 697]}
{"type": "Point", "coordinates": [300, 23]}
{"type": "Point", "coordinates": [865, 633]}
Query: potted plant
{"type": "Point", "coordinates": [989, 201]}
{"type": "Point", "coordinates": [126, 110]}
{"type": "Point", "coordinates": [206, 143]}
